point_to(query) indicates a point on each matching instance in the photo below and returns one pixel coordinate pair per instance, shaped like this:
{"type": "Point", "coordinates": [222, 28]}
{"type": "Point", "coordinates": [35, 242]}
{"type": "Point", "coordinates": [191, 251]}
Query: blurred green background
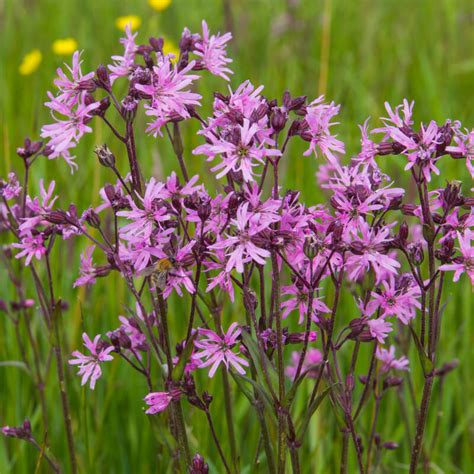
{"type": "Point", "coordinates": [359, 53]}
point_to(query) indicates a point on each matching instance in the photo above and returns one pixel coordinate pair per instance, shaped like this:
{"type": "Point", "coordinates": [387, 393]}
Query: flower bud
{"type": "Point", "coordinates": [279, 118]}
{"type": "Point", "coordinates": [102, 78]}
{"type": "Point", "coordinates": [392, 381]}
{"type": "Point", "coordinates": [299, 337]}
{"type": "Point", "coordinates": [29, 148]}
{"type": "Point", "coordinates": [204, 210]}
{"type": "Point", "coordinates": [129, 108]}
{"type": "Point", "coordinates": [311, 247]}
{"type": "Point", "coordinates": [105, 156]}
{"type": "Point", "coordinates": [104, 104]}
{"type": "Point", "coordinates": [198, 465]}
{"type": "Point", "coordinates": [446, 368]}
{"type": "Point", "coordinates": [207, 398]}
{"type": "Point", "coordinates": [357, 325]}
{"type": "Point", "coordinates": [403, 232]}
{"type": "Point", "coordinates": [415, 250]}
{"type": "Point", "coordinates": [391, 445]}
{"type": "Point", "coordinates": [250, 301]}
{"type": "Point", "coordinates": [452, 194]}
{"type": "Point", "coordinates": [57, 217]}
{"type": "Point", "coordinates": [297, 103]}
{"type": "Point", "coordinates": [156, 44]}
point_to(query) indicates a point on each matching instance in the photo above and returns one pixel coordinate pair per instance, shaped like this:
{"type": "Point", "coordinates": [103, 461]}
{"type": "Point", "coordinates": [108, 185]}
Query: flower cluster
{"type": "Point", "coordinates": [285, 265]}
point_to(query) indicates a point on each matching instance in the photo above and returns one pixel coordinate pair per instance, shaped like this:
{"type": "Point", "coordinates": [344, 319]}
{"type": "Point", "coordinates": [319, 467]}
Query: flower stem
{"type": "Point", "coordinates": [281, 381]}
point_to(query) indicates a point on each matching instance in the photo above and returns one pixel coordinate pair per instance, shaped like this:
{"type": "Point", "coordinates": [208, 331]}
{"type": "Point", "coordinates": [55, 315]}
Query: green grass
{"type": "Point", "coordinates": [360, 53]}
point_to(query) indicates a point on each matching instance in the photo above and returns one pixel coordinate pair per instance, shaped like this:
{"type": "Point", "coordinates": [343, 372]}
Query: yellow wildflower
{"type": "Point", "coordinates": [159, 5]}
{"type": "Point", "coordinates": [31, 62]}
{"type": "Point", "coordinates": [122, 21]}
{"type": "Point", "coordinates": [169, 47]}
{"type": "Point", "coordinates": [65, 46]}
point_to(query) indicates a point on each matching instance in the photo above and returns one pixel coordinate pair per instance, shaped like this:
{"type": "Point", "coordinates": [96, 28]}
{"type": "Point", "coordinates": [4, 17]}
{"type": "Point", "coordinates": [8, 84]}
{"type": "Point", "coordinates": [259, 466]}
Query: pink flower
{"type": "Point", "coordinates": [394, 119]}
{"type": "Point", "coordinates": [159, 401]}
{"type": "Point", "coordinates": [398, 299]}
{"type": "Point", "coordinates": [89, 366]}
{"type": "Point", "coordinates": [369, 149]}
{"type": "Point", "coordinates": [211, 50]}
{"type": "Point", "coordinates": [179, 275]}
{"type": "Point", "coordinates": [465, 147]}
{"type": "Point", "coordinates": [379, 328]}
{"type": "Point", "coordinates": [38, 207]}
{"type": "Point", "coordinates": [32, 246]}
{"type": "Point", "coordinates": [240, 150]}
{"type": "Point", "coordinates": [318, 122]}
{"type": "Point", "coordinates": [11, 189]}
{"type": "Point", "coordinates": [300, 302]}
{"type": "Point", "coordinates": [240, 248]}
{"type": "Point", "coordinates": [145, 217]}
{"type": "Point", "coordinates": [69, 89]}
{"type": "Point", "coordinates": [217, 350]}
{"type": "Point", "coordinates": [312, 360]}
{"type": "Point", "coordinates": [421, 151]}
{"type": "Point", "coordinates": [368, 247]}
{"type": "Point", "coordinates": [464, 263]}
{"type": "Point", "coordinates": [387, 357]}
{"type": "Point", "coordinates": [167, 94]}
{"type": "Point", "coordinates": [87, 269]}
{"type": "Point", "coordinates": [123, 64]}
{"type": "Point", "coordinates": [65, 134]}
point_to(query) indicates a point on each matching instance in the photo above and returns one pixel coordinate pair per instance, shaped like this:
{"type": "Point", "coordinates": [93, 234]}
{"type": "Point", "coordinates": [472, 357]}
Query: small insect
{"type": "Point", "coordinates": [159, 271]}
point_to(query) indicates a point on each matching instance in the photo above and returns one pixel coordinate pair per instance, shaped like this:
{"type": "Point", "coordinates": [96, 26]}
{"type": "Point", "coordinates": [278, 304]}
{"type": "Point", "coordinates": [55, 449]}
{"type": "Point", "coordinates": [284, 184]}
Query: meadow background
{"type": "Point", "coordinates": [357, 52]}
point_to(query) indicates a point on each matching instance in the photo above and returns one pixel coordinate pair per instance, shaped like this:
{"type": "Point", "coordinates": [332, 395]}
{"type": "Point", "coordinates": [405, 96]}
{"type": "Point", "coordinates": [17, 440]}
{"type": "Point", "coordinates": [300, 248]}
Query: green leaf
{"type": "Point", "coordinates": [262, 392]}
{"type": "Point", "coordinates": [426, 363]}
{"type": "Point", "coordinates": [311, 411]}
{"type": "Point", "coordinates": [265, 369]}
{"type": "Point", "coordinates": [15, 363]}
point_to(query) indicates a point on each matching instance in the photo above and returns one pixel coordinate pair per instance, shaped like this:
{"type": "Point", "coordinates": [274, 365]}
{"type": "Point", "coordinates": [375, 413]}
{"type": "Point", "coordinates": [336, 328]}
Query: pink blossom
{"type": "Point", "coordinates": [87, 269]}
{"type": "Point", "coordinates": [145, 217]}
{"type": "Point", "coordinates": [211, 50]}
{"type": "Point", "coordinates": [69, 89]}
{"type": "Point", "coordinates": [217, 349]}
{"type": "Point", "coordinates": [38, 207]}
{"type": "Point", "coordinates": [240, 151]}
{"type": "Point", "coordinates": [167, 94]}
{"type": "Point", "coordinates": [464, 263]}
{"type": "Point", "coordinates": [422, 151]}
{"type": "Point", "coordinates": [65, 134]}
{"type": "Point", "coordinates": [240, 248]}
{"type": "Point", "coordinates": [379, 329]}
{"type": "Point", "coordinates": [179, 275]}
{"type": "Point", "coordinates": [300, 301]}
{"type": "Point", "coordinates": [159, 401]}
{"type": "Point", "coordinates": [89, 365]}
{"type": "Point", "coordinates": [123, 64]}
{"type": "Point", "coordinates": [369, 149]}
{"type": "Point", "coordinates": [464, 147]}
{"type": "Point", "coordinates": [456, 224]}
{"type": "Point", "coordinates": [369, 247]}
{"type": "Point", "coordinates": [318, 121]}
{"type": "Point", "coordinates": [398, 299]}
{"type": "Point", "coordinates": [11, 189]}
{"type": "Point", "coordinates": [31, 246]}
{"type": "Point", "coordinates": [394, 119]}
{"type": "Point", "coordinates": [312, 360]}
{"type": "Point", "coordinates": [387, 357]}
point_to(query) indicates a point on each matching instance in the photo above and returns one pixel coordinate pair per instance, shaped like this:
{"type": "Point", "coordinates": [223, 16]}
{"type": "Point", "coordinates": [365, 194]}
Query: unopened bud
{"type": "Point", "coordinates": [103, 78]}
{"type": "Point", "coordinates": [198, 465]}
{"type": "Point", "coordinates": [105, 156]}
{"type": "Point", "coordinates": [310, 247]}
